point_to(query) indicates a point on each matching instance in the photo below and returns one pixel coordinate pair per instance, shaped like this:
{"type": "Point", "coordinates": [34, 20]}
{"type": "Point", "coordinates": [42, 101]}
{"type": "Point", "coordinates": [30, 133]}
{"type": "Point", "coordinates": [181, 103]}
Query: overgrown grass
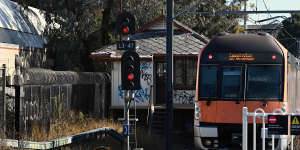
{"type": "Point", "coordinates": [76, 123]}
{"type": "Point", "coordinates": [297, 143]}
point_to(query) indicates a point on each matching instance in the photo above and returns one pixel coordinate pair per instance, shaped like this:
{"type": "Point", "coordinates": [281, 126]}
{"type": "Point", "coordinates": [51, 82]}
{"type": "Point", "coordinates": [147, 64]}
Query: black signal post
{"type": "Point", "coordinates": [130, 66]}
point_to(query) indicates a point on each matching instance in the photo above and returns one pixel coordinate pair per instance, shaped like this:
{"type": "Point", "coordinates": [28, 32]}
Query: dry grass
{"type": "Point", "coordinates": [76, 123]}
{"type": "Point", "coordinates": [297, 143]}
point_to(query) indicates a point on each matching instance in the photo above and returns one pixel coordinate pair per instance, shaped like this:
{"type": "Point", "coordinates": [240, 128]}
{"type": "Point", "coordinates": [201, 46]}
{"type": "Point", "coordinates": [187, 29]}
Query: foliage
{"type": "Point", "coordinates": [76, 27]}
{"type": "Point", "coordinates": [210, 24]}
{"type": "Point", "coordinates": [289, 32]}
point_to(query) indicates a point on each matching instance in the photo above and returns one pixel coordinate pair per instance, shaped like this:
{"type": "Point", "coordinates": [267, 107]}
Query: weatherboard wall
{"type": "Point", "coordinates": [147, 93]}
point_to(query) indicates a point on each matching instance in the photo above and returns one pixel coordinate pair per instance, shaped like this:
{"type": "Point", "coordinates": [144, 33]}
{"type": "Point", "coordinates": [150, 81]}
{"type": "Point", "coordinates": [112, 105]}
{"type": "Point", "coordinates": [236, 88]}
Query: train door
{"type": "Point", "coordinates": [231, 91]}
{"type": "Point", "coordinates": [160, 82]}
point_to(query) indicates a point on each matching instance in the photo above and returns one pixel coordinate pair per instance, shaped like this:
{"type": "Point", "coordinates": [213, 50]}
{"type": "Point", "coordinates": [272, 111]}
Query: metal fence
{"type": "Point", "coordinates": [260, 115]}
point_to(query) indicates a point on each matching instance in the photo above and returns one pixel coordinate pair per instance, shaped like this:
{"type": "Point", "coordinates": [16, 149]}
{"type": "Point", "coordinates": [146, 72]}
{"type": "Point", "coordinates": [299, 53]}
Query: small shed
{"type": "Point", "coordinates": [151, 46]}
{"type": "Point", "coordinates": [21, 40]}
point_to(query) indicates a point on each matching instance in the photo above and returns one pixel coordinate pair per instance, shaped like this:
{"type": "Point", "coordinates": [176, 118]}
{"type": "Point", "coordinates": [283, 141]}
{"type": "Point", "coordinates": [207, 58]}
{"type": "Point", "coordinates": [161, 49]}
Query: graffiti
{"type": "Point", "coordinates": [147, 77]}
{"type": "Point", "coordinates": [146, 73]}
{"type": "Point", "coordinates": [183, 97]}
{"type": "Point", "coordinates": [121, 92]}
{"type": "Point", "coordinates": [145, 66]}
{"type": "Point", "coordinates": [141, 96]}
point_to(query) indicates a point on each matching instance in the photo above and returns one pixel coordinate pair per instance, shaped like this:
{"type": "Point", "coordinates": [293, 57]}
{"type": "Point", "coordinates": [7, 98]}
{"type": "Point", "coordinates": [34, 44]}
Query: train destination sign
{"type": "Point", "coordinates": [277, 125]}
{"type": "Point", "coordinates": [241, 57]}
{"type": "Point", "coordinates": [295, 125]}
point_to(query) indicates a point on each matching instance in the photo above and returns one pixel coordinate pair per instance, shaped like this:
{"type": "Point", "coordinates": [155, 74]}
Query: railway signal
{"type": "Point", "coordinates": [125, 24]}
{"type": "Point", "coordinates": [130, 71]}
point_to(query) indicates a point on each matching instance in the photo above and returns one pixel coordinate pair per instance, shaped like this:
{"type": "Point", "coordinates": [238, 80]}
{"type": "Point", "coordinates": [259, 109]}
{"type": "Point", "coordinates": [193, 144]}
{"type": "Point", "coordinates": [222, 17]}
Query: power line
{"type": "Point", "coordinates": [244, 12]}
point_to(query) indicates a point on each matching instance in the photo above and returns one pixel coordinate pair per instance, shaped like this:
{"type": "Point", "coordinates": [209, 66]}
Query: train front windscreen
{"type": "Point", "coordinates": [241, 76]}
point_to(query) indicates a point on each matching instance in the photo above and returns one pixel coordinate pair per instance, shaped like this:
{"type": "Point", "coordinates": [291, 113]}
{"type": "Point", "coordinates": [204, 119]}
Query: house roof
{"type": "Point", "coordinates": [263, 27]}
{"type": "Point", "coordinates": [151, 40]}
{"type": "Point", "coordinates": [16, 28]}
{"type": "Point", "coordinates": [150, 43]}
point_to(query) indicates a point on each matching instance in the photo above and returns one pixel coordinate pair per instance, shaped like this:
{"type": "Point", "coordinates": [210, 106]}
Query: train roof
{"type": "Point", "coordinates": [243, 43]}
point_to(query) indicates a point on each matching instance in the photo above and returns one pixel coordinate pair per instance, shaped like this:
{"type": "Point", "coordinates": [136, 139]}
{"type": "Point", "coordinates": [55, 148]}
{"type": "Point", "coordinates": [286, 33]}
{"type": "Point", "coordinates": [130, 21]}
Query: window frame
{"type": "Point", "coordinates": [280, 98]}
{"type": "Point", "coordinates": [185, 72]}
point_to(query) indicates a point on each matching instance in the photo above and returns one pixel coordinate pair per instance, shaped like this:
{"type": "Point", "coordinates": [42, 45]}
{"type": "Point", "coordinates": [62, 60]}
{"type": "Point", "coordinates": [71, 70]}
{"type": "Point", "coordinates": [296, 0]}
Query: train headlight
{"type": "Point", "coordinates": [216, 141]}
{"type": "Point", "coordinates": [216, 145]}
{"type": "Point", "coordinates": [284, 107]}
{"type": "Point", "coordinates": [208, 142]}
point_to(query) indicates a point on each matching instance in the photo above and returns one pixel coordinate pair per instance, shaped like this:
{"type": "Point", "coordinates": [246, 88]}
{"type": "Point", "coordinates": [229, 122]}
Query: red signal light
{"type": "Point", "coordinates": [125, 30]}
{"type": "Point", "coordinates": [210, 56]}
{"type": "Point", "coordinates": [130, 76]}
{"type": "Point", "coordinates": [274, 57]}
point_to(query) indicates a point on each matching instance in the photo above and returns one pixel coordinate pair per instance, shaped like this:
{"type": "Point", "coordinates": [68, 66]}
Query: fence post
{"type": "Point", "coordinates": [245, 128]}
{"type": "Point", "coordinates": [4, 96]}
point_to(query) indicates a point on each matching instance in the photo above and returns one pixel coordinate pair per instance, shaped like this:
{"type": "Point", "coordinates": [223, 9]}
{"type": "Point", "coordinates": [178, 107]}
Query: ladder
{"type": "Point", "coordinates": [132, 121]}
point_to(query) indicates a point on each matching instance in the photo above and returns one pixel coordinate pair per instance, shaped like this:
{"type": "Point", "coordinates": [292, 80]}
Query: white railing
{"type": "Point", "coordinates": [260, 113]}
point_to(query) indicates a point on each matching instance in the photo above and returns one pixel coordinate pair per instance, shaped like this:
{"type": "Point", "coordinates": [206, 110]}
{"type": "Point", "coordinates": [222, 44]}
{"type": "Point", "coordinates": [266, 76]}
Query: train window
{"type": "Point", "coordinates": [208, 80]}
{"type": "Point", "coordinates": [231, 82]}
{"type": "Point", "coordinates": [264, 82]}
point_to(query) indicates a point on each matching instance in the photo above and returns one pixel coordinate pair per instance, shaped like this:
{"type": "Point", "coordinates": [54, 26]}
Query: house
{"type": "Point", "coordinates": [21, 40]}
{"type": "Point", "coordinates": [151, 47]}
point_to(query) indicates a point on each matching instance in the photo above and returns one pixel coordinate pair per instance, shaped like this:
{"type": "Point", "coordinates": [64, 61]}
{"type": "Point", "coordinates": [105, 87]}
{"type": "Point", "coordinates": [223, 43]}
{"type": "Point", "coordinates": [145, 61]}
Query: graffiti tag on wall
{"type": "Point", "coordinates": [184, 97]}
{"type": "Point", "coordinates": [146, 75]}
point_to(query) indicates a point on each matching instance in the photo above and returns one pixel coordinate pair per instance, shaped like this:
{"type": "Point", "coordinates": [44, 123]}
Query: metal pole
{"type": "Point", "coordinates": [17, 111]}
{"type": "Point", "coordinates": [245, 128]}
{"type": "Point", "coordinates": [126, 117]}
{"type": "Point", "coordinates": [254, 132]}
{"type": "Point", "coordinates": [264, 132]}
{"type": "Point", "coordinates": [169, 46]}
{"type": "Point", "coordinates": [4, 96]}
{"type": "Point", "coordinates": [245, 17]}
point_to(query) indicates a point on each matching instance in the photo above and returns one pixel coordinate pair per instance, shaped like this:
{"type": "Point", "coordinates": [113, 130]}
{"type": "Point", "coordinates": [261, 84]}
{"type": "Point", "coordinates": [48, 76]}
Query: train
{"type": "Point", "coordinates": [236, 71]}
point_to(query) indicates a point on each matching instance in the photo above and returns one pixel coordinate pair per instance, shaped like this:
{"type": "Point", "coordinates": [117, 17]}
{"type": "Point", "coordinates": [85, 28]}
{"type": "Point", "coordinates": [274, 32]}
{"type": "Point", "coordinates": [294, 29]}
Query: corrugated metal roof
{"type": "Point", "coordinates": [16, 28]}
{"type": "Point", "coordinates": [150, 43]}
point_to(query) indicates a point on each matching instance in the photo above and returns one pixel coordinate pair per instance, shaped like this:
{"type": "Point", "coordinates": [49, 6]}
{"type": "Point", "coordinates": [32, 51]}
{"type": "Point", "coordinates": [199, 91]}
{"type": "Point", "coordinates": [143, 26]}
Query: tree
{"type": "Point", "coordinates": [75, 27]}
{"type": "Point", "coordinates": [210, 25]}
{"type": "Point", "coordinates": [290, 32]}
{"type": "Point", "coordinates": [70, 26]}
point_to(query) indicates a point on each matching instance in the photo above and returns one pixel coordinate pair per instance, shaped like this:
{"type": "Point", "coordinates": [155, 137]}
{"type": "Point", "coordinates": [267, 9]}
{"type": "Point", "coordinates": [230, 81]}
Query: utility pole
{"type": "Point", "coordinates": [169, 48]}
{"type": "Point", "coordinates": [245, 17]}
{"type": "Point", "coordinates": [4, 96]}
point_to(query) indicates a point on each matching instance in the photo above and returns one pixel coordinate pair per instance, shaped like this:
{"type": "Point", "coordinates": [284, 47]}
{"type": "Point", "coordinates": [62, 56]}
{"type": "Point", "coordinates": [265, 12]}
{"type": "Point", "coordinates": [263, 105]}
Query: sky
{"type": "Point", "coordinates": [271, 5]}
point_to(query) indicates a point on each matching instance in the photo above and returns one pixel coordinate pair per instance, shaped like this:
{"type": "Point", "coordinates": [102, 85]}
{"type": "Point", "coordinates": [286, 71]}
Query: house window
{"type": "Point", "coordinates": [185, 70]}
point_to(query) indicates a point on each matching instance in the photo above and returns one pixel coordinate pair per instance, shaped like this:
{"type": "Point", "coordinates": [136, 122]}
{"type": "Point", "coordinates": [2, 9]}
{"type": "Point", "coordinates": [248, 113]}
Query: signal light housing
{"type": "Point", "coordinates": [125, 24]}
{"type": "Point", "coordinates": [130, 71]}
